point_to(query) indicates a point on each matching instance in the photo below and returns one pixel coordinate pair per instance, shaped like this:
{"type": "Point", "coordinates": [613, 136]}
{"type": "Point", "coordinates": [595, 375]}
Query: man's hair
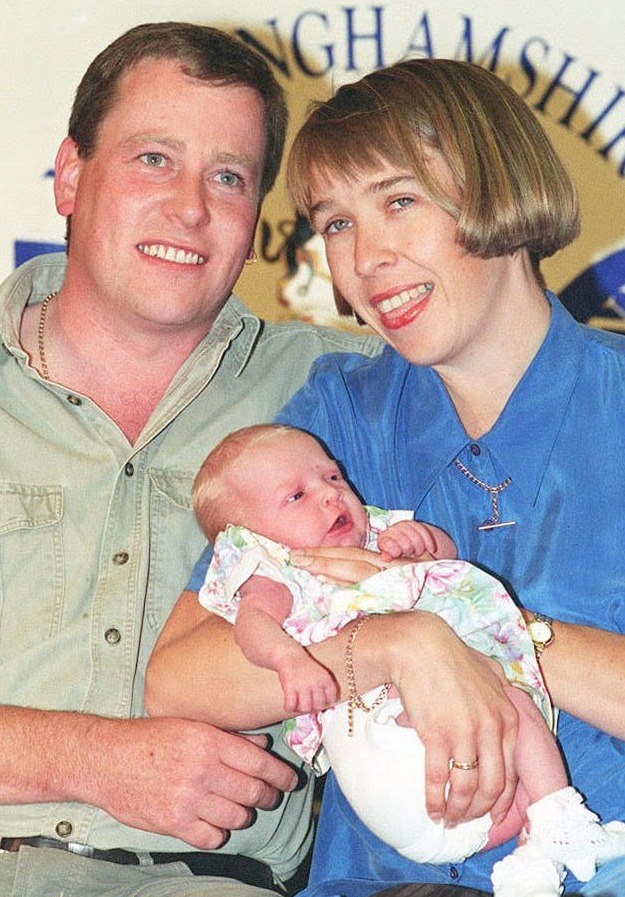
{"type": "Point", "coordinates": [514, 191]}
{"type": "Point", "coordinates": [205, 53]}
{"type": "Point", "coordinates": [214, 501]}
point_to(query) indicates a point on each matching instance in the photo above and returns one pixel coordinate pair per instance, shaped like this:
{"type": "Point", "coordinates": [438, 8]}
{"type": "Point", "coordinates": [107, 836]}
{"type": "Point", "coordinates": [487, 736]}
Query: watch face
{"type": "Point", "coordinates": [540, 632]}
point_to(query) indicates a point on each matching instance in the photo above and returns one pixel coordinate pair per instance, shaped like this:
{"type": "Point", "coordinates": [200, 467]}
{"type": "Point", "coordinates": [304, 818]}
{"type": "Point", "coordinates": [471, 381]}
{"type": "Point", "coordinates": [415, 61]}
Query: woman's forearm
{"type": "Point", "coordinates": [584, 669]}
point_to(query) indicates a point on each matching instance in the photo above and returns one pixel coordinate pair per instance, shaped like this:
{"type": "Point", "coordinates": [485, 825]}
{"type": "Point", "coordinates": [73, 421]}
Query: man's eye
{"type": "Point", "coordinates": [228, 178]}
{"type": "Point", "coordinates": [154, 160]}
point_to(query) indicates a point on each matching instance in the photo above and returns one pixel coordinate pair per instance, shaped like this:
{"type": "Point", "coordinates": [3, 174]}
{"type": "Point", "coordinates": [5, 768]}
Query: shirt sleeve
{"type": "Point", "coordinates": [199, 571]}
{"type": "Point", "coordinates": [313, 408]}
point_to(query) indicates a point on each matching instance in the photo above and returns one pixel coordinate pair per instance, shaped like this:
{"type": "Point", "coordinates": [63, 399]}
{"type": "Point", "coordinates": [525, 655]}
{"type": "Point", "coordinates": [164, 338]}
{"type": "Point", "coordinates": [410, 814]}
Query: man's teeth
{"type": "Point", "coordinates": [405, 296]}
{"type": "Point", "coordinates": [169, 254]}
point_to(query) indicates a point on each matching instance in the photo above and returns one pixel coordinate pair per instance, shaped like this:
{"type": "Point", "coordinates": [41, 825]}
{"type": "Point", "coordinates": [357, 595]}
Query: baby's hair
{"type": "Point", "coordinates": [215, 503]}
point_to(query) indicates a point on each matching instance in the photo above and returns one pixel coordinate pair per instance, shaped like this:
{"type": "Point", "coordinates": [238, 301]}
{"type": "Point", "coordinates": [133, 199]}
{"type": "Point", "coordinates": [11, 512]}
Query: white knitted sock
{"type": "Point", "coordinates": [569, 833]}
{"type": "Point", "coordinates": [527, 872]}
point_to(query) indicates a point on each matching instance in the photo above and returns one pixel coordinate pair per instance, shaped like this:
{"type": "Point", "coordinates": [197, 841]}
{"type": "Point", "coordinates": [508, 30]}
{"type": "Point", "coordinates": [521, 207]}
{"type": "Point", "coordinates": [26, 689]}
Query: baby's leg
{"type": "Point", "coordinates": [558, 831]}
{"type": "Point", "coordinates": [538, 764]}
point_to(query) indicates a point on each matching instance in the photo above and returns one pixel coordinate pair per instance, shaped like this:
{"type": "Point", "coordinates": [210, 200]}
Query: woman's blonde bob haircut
{"type": "Point", "coordinates": [514, 192]}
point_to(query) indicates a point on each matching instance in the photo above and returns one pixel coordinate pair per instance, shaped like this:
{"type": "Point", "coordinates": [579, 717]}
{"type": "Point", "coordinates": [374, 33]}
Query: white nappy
{"type": "Point", "coordinates": [381, 771]}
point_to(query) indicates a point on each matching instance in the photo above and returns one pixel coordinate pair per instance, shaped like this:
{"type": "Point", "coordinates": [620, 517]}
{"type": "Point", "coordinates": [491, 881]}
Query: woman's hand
{"type": "Point", "coordinates": [341, 565]}
{"type": "Point", "coordinates": [455, 699]}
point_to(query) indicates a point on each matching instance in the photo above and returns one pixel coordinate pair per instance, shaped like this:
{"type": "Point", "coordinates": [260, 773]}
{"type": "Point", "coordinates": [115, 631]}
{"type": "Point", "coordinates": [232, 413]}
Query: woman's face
{"type": "Point", "coordinates": [394, 257]}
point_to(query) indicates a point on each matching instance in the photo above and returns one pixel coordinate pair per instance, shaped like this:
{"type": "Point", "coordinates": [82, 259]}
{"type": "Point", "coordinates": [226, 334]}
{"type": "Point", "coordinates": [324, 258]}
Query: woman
{"type": "Point", "coordinates": [491, 413]}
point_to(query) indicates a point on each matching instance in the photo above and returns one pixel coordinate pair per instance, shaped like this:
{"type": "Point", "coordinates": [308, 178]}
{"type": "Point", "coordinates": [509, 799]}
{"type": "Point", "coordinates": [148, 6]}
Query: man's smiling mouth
{"type": "Point", "coordinates": [171, 254]}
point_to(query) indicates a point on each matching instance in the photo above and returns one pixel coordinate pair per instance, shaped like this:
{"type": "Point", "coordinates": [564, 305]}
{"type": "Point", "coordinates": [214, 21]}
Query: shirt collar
{"type": "Point", "coordinates": [529, 425]}
{"type": "Point", "coordinates": [523, 437]}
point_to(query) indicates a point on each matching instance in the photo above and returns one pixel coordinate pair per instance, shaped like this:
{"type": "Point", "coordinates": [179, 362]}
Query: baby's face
{"type": "Point", "coordinates": [290, 491]}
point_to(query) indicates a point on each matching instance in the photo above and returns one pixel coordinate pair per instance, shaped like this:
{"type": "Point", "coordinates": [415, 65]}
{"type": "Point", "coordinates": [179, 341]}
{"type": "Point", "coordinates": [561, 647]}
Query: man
{"type": "Point", "coordinates": [123, 365]}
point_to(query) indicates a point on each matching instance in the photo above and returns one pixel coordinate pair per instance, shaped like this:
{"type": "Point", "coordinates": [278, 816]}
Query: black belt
{"type": "Point", "coordinates": [223, 865]}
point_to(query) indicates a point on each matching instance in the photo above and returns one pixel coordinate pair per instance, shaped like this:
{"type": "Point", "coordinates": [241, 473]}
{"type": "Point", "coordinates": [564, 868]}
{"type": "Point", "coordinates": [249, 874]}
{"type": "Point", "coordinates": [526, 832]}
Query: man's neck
{"type": "Point", "coordinates": [125, 374]}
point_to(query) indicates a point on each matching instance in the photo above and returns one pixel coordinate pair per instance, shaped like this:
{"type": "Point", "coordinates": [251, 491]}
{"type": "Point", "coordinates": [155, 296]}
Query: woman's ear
{"type": "Point", "coordinates": [67, 168]}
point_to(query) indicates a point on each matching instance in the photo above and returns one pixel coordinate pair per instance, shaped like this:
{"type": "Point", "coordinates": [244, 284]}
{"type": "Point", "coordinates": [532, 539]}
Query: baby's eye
{"type": "Point", "coordinates": [336, 477]}
{"type": "Point", "coordinates": [154, 160]}
{"type": "Point", "coordinates": [296, 496]}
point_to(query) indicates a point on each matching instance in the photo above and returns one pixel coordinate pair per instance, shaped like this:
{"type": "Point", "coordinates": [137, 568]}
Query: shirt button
{"type": "Point", "coordinates": [129, 469]}
{"type": "Point", "coordinates": [475, 449]}
{"type": "Point", "coordinates": [113, 636]}
{"type": "Point", "coordinates": [74, 400]}
{"type": "Point", "coordinates": [453, 873]}
{"type": "Point", "coordinates": [64, 829]}
{"type": "Point", "coordinates": [122, 557]}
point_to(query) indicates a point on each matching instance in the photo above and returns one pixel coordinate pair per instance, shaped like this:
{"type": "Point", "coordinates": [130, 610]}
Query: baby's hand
{"type": "Point", "coordinates": [408, 539]}
{"type": "Point", "coordinates": [308, 687]}
{"type": "Point", "coordinates": [415, 540]}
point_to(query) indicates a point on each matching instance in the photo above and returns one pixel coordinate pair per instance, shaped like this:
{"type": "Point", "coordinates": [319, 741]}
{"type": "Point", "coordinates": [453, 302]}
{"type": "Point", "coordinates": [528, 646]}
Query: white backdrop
{"type": "Point", "coordinates": [566, 58]}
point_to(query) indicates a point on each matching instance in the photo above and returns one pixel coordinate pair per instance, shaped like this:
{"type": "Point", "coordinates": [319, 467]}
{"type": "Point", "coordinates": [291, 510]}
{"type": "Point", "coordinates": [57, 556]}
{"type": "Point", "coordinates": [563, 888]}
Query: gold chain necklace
{"type": "Point", "coordinates": [41, 333]}
{"type": "Point", "coordinates": [495, 521]}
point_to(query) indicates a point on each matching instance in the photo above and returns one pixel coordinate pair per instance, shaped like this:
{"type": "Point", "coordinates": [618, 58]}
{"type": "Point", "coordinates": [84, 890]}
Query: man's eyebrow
{"type": "Point", "coordinates": [149, 137]}
{"type": "Point", "coordinates": [237, 159]}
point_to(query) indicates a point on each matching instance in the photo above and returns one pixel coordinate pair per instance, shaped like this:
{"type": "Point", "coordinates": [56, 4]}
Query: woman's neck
{"type": "Point", "coordinates": [482, 385]}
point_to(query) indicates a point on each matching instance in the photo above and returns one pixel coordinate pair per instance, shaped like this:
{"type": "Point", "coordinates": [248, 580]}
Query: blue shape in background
{"type": "Point", "coordinates": [26, 249]}
{"type": "Point", "coordinates": [599, 291]}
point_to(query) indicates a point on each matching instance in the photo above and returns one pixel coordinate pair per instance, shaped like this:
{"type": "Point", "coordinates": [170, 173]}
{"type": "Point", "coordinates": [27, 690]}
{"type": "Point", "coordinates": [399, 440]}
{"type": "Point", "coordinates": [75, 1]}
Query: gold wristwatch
{"type": "Point", "coordinates": [540, 629]}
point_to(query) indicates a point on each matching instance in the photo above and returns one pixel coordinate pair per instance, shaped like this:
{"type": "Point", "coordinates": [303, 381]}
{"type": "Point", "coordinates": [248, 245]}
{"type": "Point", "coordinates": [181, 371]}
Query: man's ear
{"type": "Point", "coordinates": [67, 168]}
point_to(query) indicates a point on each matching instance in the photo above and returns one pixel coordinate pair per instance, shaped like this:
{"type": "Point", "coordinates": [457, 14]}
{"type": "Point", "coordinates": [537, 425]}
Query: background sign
{"type": "Point", "coordinates": [566, 59]}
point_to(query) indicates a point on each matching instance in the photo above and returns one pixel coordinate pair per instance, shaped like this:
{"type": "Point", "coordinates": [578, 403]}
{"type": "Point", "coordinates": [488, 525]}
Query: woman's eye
{"type": "Point", "coordinates": [403, 202]}
{"type": "Point", "coordinates": [335, 227]}
{"type": "Point", "coordinates": [154, 160]}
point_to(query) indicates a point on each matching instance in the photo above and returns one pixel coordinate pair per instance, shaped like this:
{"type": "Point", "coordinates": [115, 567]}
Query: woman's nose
{"type": "Point", "coordinates": [372, 250]}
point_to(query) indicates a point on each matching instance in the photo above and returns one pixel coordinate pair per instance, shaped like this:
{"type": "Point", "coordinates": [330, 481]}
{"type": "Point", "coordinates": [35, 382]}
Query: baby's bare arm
{"type": "Point", "coordinates": [263, 607]}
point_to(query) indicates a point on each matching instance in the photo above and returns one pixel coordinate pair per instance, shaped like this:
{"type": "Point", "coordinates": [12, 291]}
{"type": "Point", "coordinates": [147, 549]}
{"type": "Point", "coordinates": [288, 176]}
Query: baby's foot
{"type": "Point", "coordinates": [569, 833]}
{"type": "Point", "coordinates": [527, 872]}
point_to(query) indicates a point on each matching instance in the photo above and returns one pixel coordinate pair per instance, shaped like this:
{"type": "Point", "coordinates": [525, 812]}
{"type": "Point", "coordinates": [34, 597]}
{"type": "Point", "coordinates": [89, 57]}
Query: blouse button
{"type": "Point", "coordinates": [129, 469]}
{"type": "Point", "coordinates": [122, 557]}
{"type": "Point", "coordinates": [74, 400]}
{"type": "Point", "coordinates": [113, 636]}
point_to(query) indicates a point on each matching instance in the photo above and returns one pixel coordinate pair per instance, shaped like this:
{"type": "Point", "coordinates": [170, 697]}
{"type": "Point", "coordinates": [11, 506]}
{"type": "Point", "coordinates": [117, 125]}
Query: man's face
{"type": "Point", "coordinates": [163, 212]}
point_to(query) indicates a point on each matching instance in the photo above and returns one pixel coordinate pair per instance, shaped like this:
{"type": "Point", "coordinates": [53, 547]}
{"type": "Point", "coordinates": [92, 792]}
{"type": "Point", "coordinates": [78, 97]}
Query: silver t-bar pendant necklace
{"type": "Point", "coordinates": [495, 521]}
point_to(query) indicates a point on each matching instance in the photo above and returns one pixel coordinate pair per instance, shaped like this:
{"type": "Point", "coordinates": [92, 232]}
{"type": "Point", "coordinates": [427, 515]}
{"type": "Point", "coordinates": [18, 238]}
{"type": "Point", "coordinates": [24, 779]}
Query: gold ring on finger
{"type": "Point", "coordinates": [463, 764]}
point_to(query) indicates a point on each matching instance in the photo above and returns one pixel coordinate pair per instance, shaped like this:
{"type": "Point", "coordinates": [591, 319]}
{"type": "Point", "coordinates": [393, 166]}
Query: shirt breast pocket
{"type": "Point", "coordinates": [32, 582]}
{"type": "Point", "coordinates": [176, 541]}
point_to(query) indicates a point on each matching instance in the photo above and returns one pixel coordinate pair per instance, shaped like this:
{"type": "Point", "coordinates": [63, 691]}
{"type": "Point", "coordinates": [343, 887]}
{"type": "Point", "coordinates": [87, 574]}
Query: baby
{"type": "Point", "coordinates": [265, 490]}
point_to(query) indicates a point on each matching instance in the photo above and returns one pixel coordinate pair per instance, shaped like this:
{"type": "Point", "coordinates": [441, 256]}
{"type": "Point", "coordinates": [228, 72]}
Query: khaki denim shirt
{"type": "Point", "coordinates": [98, 537]}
